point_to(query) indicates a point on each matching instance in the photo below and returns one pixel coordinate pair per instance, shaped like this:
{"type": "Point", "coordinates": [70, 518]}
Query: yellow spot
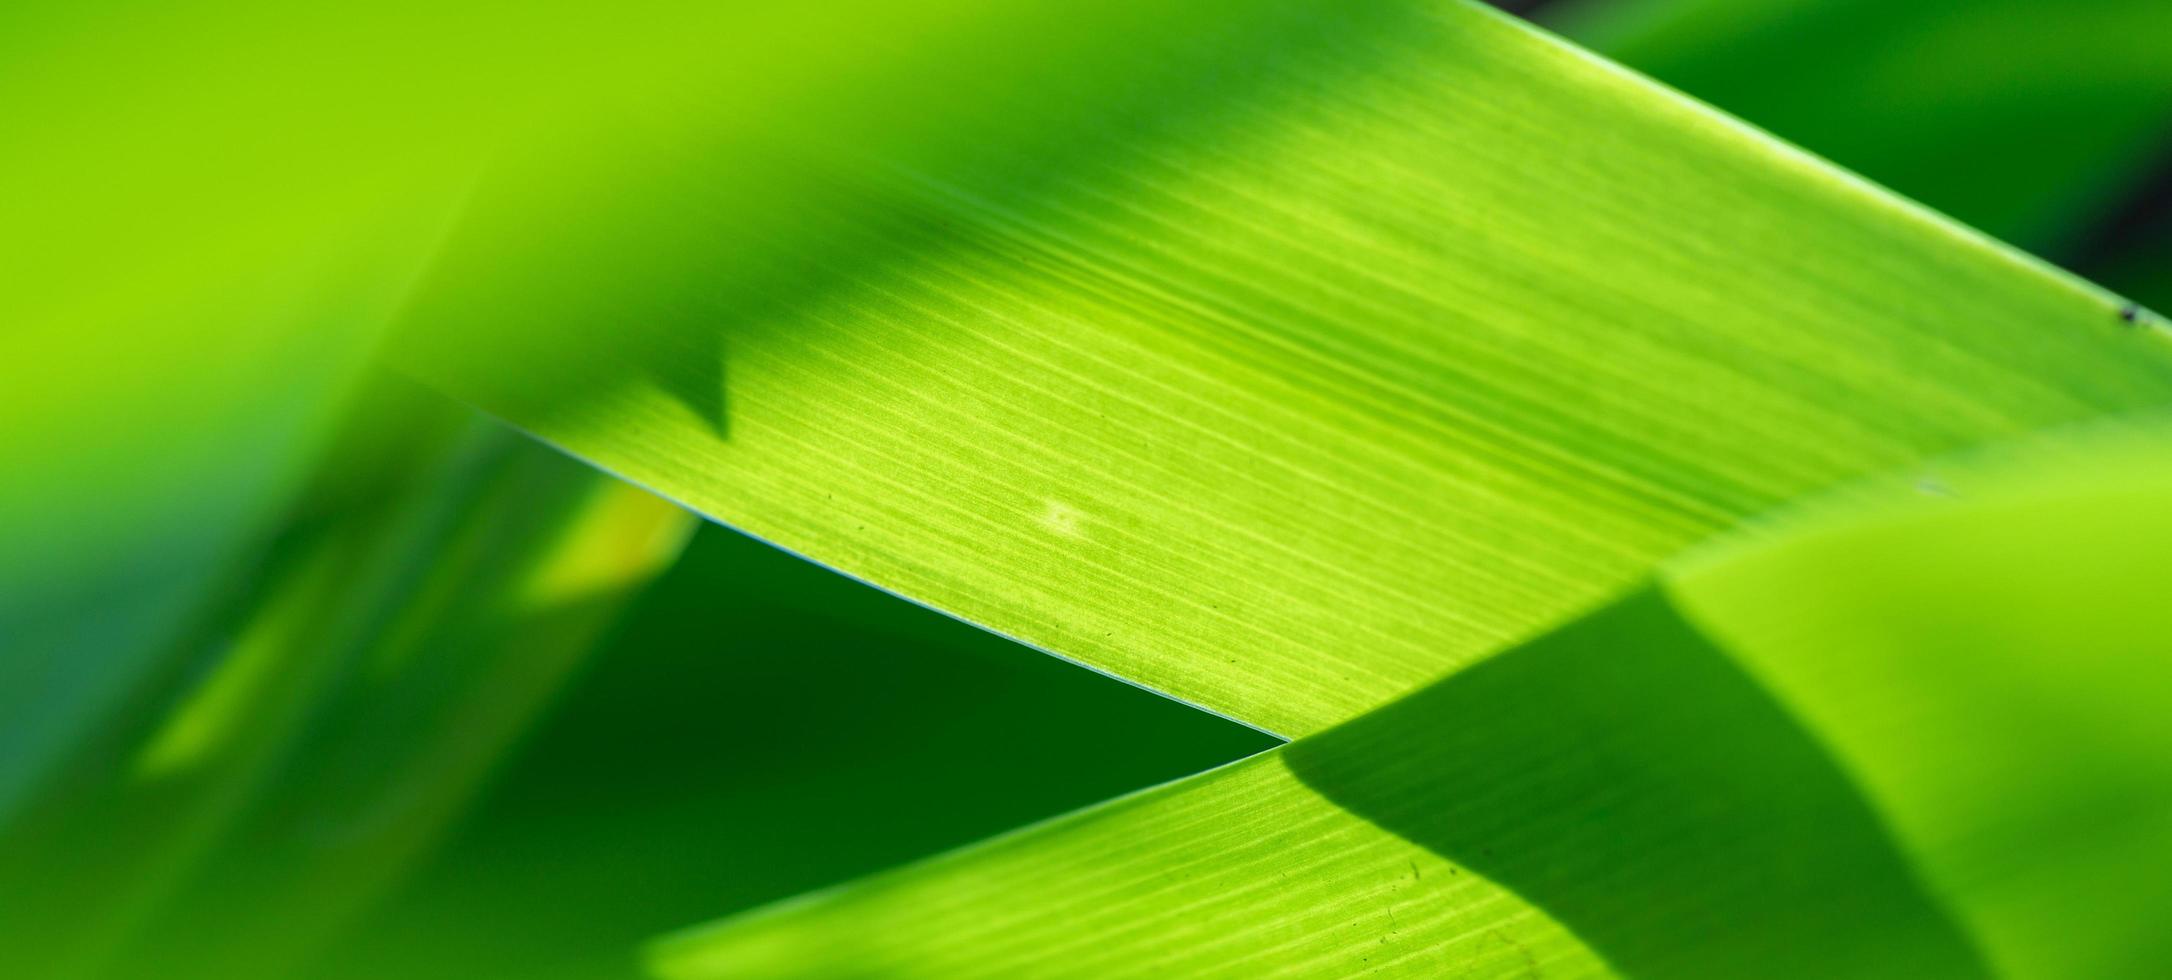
{"type": "Point", "coordinates": [622, 536]}
{"type": "Point", "coordinates": [1063, 519]}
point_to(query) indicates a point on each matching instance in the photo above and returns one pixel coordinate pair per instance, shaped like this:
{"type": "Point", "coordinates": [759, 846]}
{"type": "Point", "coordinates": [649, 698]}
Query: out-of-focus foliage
{"type": "Point", "coordinates": [315, 726]}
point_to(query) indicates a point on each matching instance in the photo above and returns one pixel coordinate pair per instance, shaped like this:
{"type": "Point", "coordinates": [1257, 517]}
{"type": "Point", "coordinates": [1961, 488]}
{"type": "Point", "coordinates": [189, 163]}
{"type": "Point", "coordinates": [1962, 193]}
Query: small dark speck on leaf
{"type": "Point", "coordinates": [2129, 313]}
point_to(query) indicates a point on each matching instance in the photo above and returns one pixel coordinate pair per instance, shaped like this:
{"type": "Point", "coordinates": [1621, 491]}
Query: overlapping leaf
{"type": "Point", "coordinates": [1924, 737]}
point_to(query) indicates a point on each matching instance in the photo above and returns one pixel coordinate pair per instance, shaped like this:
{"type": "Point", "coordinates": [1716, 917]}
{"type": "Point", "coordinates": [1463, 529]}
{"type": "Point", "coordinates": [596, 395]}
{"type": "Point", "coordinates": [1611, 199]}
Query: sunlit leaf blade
{"type": "Point", "coordinates": [1411, 335]}
{"type": "Point", "coordinates": [321, 724]}
{"type": "Point", "coordinates": [1907, 734]}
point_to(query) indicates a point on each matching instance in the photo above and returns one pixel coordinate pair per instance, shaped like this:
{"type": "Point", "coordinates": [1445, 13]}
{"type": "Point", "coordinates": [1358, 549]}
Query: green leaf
{"type": "Point", "coordinates": [1989, 663]}
{"type": "Point", "coordinates": [316, 729]}
{"type": "Point", "coordinates": [1907, 733]}
{"type": "Point", "coordinates": [1340, 351]}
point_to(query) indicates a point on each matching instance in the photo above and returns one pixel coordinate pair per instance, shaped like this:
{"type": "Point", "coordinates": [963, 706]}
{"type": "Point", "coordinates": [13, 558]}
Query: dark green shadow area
{"type": "Point", "coordinates": [1627, 777]}
{"type": "Point", "coordinates": [761, 727]}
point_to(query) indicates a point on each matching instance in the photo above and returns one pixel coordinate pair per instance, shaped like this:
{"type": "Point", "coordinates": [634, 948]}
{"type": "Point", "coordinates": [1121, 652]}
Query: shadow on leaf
{"type": "Point", "coordinates": [1627, 777]}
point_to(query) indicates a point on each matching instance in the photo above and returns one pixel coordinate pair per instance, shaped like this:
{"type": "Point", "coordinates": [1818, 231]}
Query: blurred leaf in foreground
{"type": "Point", "coordinates": [324, 720]}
